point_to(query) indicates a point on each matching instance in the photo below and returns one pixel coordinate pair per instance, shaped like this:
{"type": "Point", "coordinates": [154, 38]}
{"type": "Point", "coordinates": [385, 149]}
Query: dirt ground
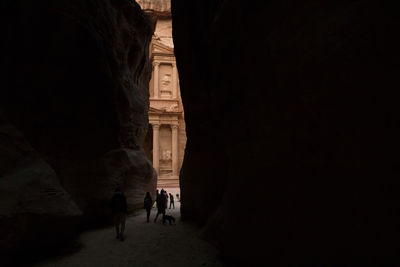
{"type": "Point", "coordinates": [145, 244]}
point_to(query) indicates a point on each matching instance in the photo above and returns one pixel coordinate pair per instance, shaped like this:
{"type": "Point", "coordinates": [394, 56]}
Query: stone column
{"type": "Point", "coordinates": [156, 80]}
{"type": "Point", "coordinates": [156, 147]}
{"type": "Point", "coordinates": [174, 81]}
{"type": "Point", "coordinates": [174, 149]}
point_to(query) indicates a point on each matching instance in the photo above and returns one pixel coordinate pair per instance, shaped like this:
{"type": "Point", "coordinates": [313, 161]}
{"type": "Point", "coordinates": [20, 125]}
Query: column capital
{"type": "Point", "coordinates": [155, 125]}
{"type": "Point", "coordinates": [174, 64]}
{"type": "Point", "coordinates": [174, 126]}
{"type": "Point", "coordinates": [156, 63]}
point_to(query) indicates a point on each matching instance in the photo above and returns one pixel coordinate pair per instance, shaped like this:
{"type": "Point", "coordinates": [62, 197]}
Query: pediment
{"type": "Point", "coordinates": [173, 109]}
{"type": "Point", "coordinates": [155, 110]}
{"type": "Point", "coordinates": [160, 48]}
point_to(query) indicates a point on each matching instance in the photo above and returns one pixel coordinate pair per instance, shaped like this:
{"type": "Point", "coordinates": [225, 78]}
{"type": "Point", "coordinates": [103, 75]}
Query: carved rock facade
{"type": "Point", "coordinates": [166, 140]}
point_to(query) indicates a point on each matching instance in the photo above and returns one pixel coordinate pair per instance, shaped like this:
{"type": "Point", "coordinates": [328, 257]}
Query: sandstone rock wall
{"type": "Point", "coordinates": [74, 83]}
{"type": "Point", "coordinates": [290, 108]}
{"type": "Point", "coordinates": [33, 204]}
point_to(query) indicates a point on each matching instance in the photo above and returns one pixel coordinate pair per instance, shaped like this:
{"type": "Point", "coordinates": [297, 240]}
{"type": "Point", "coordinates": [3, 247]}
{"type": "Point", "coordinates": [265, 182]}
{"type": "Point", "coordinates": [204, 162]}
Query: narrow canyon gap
{"type": "Point", "coordinates": [166, 137]}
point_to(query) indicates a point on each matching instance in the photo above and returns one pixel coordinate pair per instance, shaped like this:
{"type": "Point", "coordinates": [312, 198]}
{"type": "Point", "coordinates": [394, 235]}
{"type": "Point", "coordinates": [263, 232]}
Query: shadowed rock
{"type": "Point", "coordinates": [76, 86]}
{"type": "Point", "coordinates": [35, 211]}
{"type": "Point", "coordinates": [290, 106]}
{"type": "Point", "coordinates": [75, 78]}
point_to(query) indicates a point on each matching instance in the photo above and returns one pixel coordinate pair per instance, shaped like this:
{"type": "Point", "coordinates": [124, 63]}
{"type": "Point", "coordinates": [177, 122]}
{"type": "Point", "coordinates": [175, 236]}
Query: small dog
{"type": "Point", "coordinates": [168, 218]}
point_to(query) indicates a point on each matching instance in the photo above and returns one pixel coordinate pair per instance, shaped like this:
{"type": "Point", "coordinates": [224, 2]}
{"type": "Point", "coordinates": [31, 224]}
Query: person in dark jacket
{"type": "Point", "coordinates": [161, 205]}
{"type": "Point", "coordinates": [171, 201]}
{"type": "Point", "coordinates": [166, 199]}
{"type": "Point", "coordinates": [119, 210]}
{"type": "Point", "coordinates": [148, 204]}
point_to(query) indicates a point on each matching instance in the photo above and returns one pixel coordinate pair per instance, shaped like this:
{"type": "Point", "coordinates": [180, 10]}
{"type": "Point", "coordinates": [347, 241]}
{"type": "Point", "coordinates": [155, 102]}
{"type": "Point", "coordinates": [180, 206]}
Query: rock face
{"type": "Point", "coordinates": [289, 108]}
{"type": "Point", "coordinates": [123, 163]}
{"type": "Point", "coordinates": [33, 204]}
{"type": "Point", "coordinates": [75, 78]}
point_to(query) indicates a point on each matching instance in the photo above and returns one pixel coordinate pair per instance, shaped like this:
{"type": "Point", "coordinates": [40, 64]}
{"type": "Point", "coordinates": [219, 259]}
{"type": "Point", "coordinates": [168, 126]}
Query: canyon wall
{"type": "Point", "coordinates": [74, 102]}
{"type": "Point", "coordinates": [293, 128]}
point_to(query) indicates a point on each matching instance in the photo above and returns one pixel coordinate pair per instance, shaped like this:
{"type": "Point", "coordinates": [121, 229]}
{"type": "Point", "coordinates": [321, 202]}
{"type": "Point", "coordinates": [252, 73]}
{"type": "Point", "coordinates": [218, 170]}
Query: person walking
{"type": "Point", "coordinates": [119, 210]}
{"type": "Point", "coordinates": [157, 195]}
{"type": "Point", "coordinates": [148, 204]}
{"type": "Point", "coordinates": [166, 198]}
{"type": "Point", "coordinates": [171, 201]}
{"type": "Point", "coordinates": [160, 204]}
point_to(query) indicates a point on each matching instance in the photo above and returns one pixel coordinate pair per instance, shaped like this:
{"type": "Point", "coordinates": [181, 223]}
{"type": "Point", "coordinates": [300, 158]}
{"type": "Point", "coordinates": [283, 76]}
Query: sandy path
{"type": "Point", "coordinates": [146, 244]}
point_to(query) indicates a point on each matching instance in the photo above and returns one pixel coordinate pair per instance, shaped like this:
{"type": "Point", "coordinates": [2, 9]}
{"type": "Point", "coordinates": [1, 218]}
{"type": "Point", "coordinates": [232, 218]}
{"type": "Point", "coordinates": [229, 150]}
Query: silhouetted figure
{"type": "Point", "coordinates": [166, 198]}
{"type": "Point", "coordinates": [148, 204]}
{"type": "Point", "coordinates": [157, 195]}
{"type": "Point", "coordinates": [160, 204]}
{"type": "Point", "coordinates": [171, 201]}
{"type": "Point", "coordinates": [177, 197]}
{"type": "Point", "coordinates": [119, 209]}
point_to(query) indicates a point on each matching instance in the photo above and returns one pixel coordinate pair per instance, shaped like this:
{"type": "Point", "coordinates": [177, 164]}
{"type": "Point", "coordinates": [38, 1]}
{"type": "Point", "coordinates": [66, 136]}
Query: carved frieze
{"type": "Point", "coordinates": [166, 155]}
